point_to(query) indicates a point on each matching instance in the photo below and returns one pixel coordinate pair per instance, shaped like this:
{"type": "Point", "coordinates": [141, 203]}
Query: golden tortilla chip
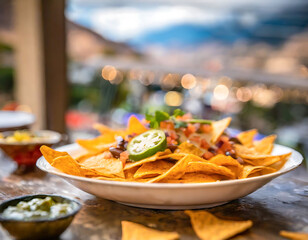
{"type": "Point", "coordinates": [87, 172]}
{"type": "Point", "coordinates": [209, 168]}
{"type": "Point", "coordinates": [190, 148]}
{"type": "Point", "coordinates": [85, 156]}
{"type": "Point", "coordinates": [176, 172]}
{"type": "Point", "coordinates": [50, 154]}
{"type": "Point", "coordinates": [279, 165]}
{"type": "Point", "coordinates": [149, 159]}
{"type": "Point", "coordinates": [153, 169]}
{"type": "Point", "coordinates": [67, 165]}
{"type": "Point", "coordinates": [98, 144]}
{"type": "Point", "coordinates": [144, 180]}
{"type": "Point", "coordinates": [218, 128]}
{"type": "Point", "coordinates": [135, 126]}
{"type": "Point", "coordinates": [196, 178]}
{"type": "Point", "coordinates": [134, 231]}
{"type": "Point", "coordinates": [103, 129]}
{"type": "Point", "coordinates": [250, 153]}
{"type": "Point", "coordinates": [246, 137]}
{"type": "Point", "coordinates": [263, 161]}
{"type": "Point", "coordinates": [252, 171]}
{"type": "Point", "coordinates": [110, 179]}
{"type": "Point", "coordinates": [209, 227]}
{"type": "Point", "coordinates": [228, 162]}
{"type": "Point", "coordinates": [267, 161]}
{"type": "Point", "coordinates": [107, 167]}
{"type": "Point", "coordinates": [173, 156]}
{"type": "Point", "coordinates": [130, 172]}
{"type": "Point", "coordinates": [294, 235]}
{"type": "Point", "coordinates": [265, 145]}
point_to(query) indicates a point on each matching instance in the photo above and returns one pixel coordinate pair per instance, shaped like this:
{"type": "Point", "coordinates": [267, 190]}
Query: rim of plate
{"type": "Point", "coordinates": [53, 138]}
{"type": "Point", "coordinates": [41, 161]}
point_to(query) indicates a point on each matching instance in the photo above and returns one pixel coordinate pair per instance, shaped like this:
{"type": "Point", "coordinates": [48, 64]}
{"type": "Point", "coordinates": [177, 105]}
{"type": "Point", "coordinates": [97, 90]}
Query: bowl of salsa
{"type": "Point", "coordinates": [23, 146]}
{"type": "Point", "coordinates": [39, 216]}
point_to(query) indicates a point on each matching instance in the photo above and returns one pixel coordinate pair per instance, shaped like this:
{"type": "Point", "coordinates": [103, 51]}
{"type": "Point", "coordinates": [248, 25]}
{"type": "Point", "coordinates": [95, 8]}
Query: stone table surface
{"type": "Point", "coordinates": [280, 205]}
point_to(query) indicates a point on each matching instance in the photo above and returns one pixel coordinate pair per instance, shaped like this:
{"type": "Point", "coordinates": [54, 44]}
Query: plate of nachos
{"type": "Point", "coordinates": [170, 162]}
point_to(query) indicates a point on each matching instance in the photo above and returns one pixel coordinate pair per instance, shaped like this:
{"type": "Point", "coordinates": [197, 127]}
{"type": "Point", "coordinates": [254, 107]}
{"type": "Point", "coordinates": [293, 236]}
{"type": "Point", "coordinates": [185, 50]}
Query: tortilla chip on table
{"type": "Point", "coordinates": [294, 235]}
{"type": "Point", "coordinates": [209, 227]}
{"type": "Point", "coordinates": [135, 231]}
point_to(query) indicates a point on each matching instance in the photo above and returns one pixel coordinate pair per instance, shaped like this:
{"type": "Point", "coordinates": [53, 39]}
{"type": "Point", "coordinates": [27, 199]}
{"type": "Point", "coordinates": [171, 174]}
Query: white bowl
{"type": "Point", "coordinates": [171, 195]}
{"type": "Point", "coordinates": [12, 120]}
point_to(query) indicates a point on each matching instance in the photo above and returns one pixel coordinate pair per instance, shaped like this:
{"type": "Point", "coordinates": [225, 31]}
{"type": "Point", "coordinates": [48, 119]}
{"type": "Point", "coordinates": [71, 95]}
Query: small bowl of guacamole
{"type": "Point", "coordinates": [38, 216]}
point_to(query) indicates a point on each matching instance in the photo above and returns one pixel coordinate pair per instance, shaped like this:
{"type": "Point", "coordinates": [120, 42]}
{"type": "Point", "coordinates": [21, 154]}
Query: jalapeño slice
{"type": "Point", "coordinates": [146, 144]}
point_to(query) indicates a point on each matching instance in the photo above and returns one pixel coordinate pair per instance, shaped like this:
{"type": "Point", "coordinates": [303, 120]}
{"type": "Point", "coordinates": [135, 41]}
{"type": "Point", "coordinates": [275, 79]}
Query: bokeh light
{"type": "Point", "coordinates": [221, 92]}
{"type": "Point", "coordinates": [264, 97]}
{"type": "Point", "coordinates": [169, 81]}
{"type": "Point", "coordinates": [188, 81]}
{"type": "Point", "coordinates": [225, 81]}
{"type": "Point", "coordinates": [109, 73]}
{"type": "Point", "coordinates": [173, 98]}
{"type": "Point", "coordinates": [243, 94]}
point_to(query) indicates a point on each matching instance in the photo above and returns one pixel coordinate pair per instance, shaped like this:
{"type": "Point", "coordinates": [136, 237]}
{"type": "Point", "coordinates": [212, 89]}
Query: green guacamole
{"type": "Point", "coordinates": [37, 208]}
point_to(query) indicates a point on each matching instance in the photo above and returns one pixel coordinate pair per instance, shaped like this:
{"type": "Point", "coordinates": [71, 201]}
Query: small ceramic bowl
{"type": "Point", "coordinates": [26, 153]}
{"type": "Point", "coordinates": [15, 120]}
{"type": "Point", "coordinates": [39, 228]}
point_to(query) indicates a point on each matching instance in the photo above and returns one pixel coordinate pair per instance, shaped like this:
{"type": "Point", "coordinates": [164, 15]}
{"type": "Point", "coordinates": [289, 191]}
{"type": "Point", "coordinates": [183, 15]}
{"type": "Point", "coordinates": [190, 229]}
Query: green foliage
{"type": "Point", "coordinates": [6, 80]}
{"type": "Point", "coordinates": [160, 116]}
{"type": "Point", "coordinates": [178, 112]}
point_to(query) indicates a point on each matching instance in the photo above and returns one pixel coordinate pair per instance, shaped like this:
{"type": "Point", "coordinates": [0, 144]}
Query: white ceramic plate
{"type": "Point", "coordinates": [171, 195]}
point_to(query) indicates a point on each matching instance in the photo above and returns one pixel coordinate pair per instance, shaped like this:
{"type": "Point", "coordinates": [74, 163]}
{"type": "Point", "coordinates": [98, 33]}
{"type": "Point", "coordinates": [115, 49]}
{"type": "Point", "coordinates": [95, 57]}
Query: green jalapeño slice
{"type": "Point", "coordinates": [146, 144]}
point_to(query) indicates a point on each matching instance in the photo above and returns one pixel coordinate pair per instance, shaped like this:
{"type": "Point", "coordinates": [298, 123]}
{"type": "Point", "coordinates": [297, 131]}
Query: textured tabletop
{"type": "Point", "coordinates": [280, 205]}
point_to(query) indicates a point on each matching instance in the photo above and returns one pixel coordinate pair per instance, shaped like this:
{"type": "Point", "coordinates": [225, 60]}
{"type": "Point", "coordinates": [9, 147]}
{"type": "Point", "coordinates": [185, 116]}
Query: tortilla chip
{"type": "Point", "coordinates": [103, 129]}
{"type": "Point", "coordinates": [252, 171]}
{"type": "Point", "coordinates": [263, 161]}
{"type": "Point", "coordinates": [209, 168]}
{"type": "Point", "coordinates": [246, 138]}
{"type": "Point", "coordinates": [250, 153]}
{"type": "Point", "coordinates": [153, 169]}
{"type": "Point", "coordinates": [176, 172]}
{"type": "Point", "coordinates": [149, 159]}
{"type": "Point", "coordinates": [209, 227]}
{"type": "Point", "coordinates": [218, 128]}
{"type": "Point", "coordinates": [190, 148]}
{"type": "Point", "coordinates": [266, 145]}
{"type": "Point", "coordinates": [135, 126]}
{"type": "Point", "coordinates": [67, 165]}
{"type": "Point", "coordinates": [279, 165]}
{"type": "Point", "coordinates": [134, 231]}
{"type": "Point", "coordinates": [294, 235]}
{"type": "Point", "coordinates": [173, 156]}
{"type": "Point", "coordinates": [196, 178]}
{"type": "Point", "coordinates": [107, 167]}
{"type": "Point", "coordinates": [144, 180]}
{"type": "Point", "coordinates": [85, 156]}
{"type": "Point", "coordinates": [98, 144]}
{"type": "Point", "coordinates": [110, 178]}
{"type": "Point", "coordinates": [129, 173]}
{"type": "Point", "coordinates": [50, 154]}
{"type": "Point", "coordinates": [228, 162]}
{"type": "Point", "coordinates": [267, 161]}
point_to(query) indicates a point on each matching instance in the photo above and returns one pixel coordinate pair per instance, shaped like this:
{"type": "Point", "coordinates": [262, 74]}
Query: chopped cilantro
{"type": "Point", "coordinates": [160, 116]}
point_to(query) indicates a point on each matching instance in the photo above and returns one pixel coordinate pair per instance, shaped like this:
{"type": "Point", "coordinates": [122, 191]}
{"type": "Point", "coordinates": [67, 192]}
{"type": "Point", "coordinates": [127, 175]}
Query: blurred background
{"type": "Point", "coordinates": [75, 62]}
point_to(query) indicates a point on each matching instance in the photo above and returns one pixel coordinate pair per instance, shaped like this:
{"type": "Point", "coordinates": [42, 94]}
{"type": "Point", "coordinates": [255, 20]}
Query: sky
{"type": "Point", "coordinates": [128, 22]}
{"type": "Point", "coordinates": [125, 21]}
